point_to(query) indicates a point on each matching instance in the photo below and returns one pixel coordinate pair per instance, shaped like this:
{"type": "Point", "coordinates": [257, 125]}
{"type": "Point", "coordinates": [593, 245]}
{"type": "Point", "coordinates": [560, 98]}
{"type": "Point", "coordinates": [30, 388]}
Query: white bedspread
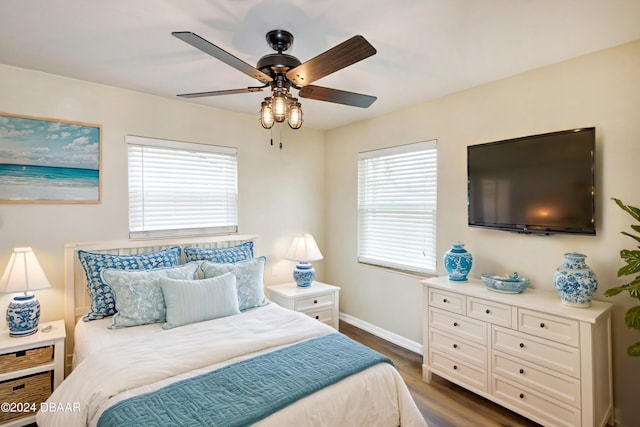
{"type": "Point", "coordinates": [375, 397]}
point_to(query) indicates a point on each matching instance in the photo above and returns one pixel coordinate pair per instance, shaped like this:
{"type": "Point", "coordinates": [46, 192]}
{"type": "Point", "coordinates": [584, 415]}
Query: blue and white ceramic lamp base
{"type": "Point", "coordinates": [23, 315]}
{"type": "Point", "coordinates": [303, 274]}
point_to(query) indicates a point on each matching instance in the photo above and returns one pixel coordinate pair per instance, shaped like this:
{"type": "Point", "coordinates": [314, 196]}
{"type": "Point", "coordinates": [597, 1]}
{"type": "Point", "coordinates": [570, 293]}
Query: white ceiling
{"type": "Point", "coordinates": [426, 48]}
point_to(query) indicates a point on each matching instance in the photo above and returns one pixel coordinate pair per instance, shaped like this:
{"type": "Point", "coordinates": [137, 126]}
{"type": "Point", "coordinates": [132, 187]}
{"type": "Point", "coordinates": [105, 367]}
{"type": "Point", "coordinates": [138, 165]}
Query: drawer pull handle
{"type": "Point", "coordinates": [455, 367]}
{"type": "Point", "coordinates": [315, 301]}
{"type": "Point", "coordinates": [21, 353]}
{"type": "Point", "coordinates": [521, 345]}
{"type": "Point", "coordinates": [317, 317]}
{"type": "Point", "coordinates": [521, 396]}
{"type": "Point", "coordinates": [487, 311]}
{"type": "Point", "coordinates": [18, 387]}
{"type": "Point", "coordinates": [521, 371]}
{"type": "Point", "coordinates": [445, 300]}
{"type": "Point", "coordinates": [455, 323]}
{"type": "Point", "coordinates": [542, 324]}
{"type": "Point", "coordinates": [455, 346]}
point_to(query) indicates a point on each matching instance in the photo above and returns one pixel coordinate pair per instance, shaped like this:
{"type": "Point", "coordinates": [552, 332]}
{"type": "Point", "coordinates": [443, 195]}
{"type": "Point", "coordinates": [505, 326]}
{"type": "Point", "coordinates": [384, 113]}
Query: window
{"type": "Point", "coordinates": [397, 207]}
{"type": "Point", "coordinates": [180, 188]}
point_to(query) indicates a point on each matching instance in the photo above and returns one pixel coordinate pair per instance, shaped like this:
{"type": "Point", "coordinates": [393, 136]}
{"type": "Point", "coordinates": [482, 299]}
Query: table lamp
{"type": "Point", "coordinates": [23, 274]}
{"type": "Point", "coordinates": [304, 249]}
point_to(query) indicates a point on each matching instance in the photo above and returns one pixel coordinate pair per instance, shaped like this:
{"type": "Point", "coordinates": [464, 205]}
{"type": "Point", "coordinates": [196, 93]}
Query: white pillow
{"type": "Point", "coordinates": [191, 301]}
{"type": "Point", "coordinates": [250, 279]}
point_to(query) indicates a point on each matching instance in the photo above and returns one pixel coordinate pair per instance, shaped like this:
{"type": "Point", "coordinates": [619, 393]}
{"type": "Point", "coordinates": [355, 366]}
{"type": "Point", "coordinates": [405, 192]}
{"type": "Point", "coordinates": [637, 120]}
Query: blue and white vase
{"type": "Point", "coordinates": [458, 262]}
{"type": "Point", "coordinates": [575, 281]}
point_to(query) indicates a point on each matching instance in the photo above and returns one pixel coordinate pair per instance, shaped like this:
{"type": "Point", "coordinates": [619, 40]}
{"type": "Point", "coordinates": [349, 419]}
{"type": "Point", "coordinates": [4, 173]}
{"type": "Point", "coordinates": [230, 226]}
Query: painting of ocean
{"type": "Point", "coordinates": [48, 160]}
{"type": "Point", "coordinates": [27, 182]}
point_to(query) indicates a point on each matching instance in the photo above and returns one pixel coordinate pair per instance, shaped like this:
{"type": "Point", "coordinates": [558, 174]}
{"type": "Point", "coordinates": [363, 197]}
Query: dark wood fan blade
{"type": "Point", "coordinates": [338, 96]}
{"type": "Point", "coordinates": [346, 53]}
{"type": "Point", "coordinates": [220, 92]}
{"type": "Point", "coordinates": [224, 56]}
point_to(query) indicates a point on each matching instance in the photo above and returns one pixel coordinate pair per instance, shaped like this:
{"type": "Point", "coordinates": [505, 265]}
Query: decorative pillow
{"type": "Point", "coordinates": [102, 300]}
{"type": "Point", "coordinates": [138, 294]}
{"type": "Point", "coordinates": [250, 279]}
{"type": "Point", "coordinates": [243, 252]}
{"type": "Point", "coordinates": [191, 301]}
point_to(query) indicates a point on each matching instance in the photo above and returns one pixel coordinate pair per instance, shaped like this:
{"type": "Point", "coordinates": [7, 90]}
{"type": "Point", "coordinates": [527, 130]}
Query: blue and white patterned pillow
{"type": "Point", "coordinates": [139, 298]}
{"type": "Point", "coordinates": [243, 252]}
{"type": "Point", "coordinates": [102, 299]}
{"type": "Point", "coordinates": [249, 279]}
{"type": "Point", "coordinates": [191, 301]}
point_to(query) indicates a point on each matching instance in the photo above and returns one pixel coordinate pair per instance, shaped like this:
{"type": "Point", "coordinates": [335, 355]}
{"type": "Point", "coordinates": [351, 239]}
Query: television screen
{"type": "Point", "coordinates": [536, 184]}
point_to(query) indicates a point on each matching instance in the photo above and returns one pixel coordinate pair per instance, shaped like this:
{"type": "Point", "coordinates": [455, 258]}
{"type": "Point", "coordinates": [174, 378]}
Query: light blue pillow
{"type": "Point", "coordinates": [138, 294]}
{"type": "Point", "coordinates": [191, 301]}
{"type": "Point", "coordinates": [243, 252]}
{"type": "Point", "coordinates": [102, 299]}
{"type": "Point", "coordinates": [250, 279]}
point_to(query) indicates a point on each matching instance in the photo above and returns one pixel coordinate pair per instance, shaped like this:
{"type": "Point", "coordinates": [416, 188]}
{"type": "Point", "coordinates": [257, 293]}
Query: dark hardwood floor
{"type": "Point", "coordinates": [443, 404]}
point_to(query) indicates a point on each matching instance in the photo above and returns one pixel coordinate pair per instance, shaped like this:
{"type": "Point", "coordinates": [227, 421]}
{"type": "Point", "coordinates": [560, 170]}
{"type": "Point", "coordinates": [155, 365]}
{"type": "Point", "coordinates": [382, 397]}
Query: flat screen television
{"type": "Point", "coordinates": [540, 184]}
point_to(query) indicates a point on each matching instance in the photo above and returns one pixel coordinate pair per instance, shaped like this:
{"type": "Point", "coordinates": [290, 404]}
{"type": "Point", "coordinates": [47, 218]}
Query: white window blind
{"type": "Point", "coordinates": [397, 207]}
{"type": "Point", "coordinates": [180, 188]}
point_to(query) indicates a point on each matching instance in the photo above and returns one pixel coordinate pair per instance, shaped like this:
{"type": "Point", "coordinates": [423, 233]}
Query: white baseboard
{"type": "Point", "coordinates": [383, 333]}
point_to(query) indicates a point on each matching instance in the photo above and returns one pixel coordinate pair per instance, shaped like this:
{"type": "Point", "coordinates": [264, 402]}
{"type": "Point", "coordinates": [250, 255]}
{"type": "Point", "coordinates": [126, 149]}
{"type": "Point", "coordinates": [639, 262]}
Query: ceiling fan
{"type": "Point", "coordinates": [282, 72]}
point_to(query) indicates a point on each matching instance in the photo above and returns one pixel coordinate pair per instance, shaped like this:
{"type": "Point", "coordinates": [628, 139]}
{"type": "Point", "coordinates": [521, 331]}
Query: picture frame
{"type": "Point", "coordinates": [45, 160]}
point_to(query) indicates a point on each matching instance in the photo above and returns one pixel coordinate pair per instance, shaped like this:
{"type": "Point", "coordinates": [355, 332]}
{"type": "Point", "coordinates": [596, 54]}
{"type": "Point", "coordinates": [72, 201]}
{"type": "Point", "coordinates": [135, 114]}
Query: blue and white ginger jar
{"type": "Point", "coordinates": [458, 262]}
{"type": "Point", "coordinates": [575, 281]}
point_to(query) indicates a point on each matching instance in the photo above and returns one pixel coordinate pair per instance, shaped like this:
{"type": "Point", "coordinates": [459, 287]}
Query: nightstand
{"type": "Point", "coordinates": [31, 368]}
{"type": "Point", "coordinates": [319, 300]}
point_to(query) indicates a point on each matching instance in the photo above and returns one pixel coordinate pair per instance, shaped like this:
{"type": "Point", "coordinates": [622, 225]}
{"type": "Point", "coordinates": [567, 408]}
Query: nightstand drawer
{"type": "Point", "coordinates": [24, 359]}
{"type": "Point", "coordinates": [324, 315]}
{"type": "Point", "coordinates": [303, 304]}
{"type": "Point", "coordinates": [33, 389]}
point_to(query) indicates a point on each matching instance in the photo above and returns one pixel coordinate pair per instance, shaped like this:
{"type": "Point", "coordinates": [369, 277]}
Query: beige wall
{"type": "Point", "coordinates": [601, 90]}
{"type": "Point", "coordinates": [271, 203]}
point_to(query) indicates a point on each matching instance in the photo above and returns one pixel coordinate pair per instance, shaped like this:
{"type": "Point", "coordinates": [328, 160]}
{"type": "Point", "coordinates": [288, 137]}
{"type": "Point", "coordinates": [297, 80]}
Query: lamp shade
{"type": "Point", "coordinates": [303, 248]}
{"type": "Point", "coordinates": [23, 273]}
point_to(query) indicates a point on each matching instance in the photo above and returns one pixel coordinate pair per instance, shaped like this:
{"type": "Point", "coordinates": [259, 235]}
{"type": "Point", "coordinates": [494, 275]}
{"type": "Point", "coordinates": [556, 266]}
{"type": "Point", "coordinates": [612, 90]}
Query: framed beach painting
{"type": "Point", "coordinates": [49, 160]}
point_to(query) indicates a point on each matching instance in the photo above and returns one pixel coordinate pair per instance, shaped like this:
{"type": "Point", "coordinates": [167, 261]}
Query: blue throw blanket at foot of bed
{"type": "Point", "coordinates": [246, 392]}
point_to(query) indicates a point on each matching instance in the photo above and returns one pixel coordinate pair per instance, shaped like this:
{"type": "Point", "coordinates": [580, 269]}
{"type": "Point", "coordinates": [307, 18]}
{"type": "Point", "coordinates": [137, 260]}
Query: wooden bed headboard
{"type": "Point", "coordinates": [77, 302]}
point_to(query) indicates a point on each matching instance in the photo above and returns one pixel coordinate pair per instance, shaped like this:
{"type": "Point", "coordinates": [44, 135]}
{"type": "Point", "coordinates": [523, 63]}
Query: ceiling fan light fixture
{"type": "Point", "coordinates": [294, 116]}
{"type": "Point", "coordinates": [279, 107]}
{"type": "Point", "coordinates": [266, 114]}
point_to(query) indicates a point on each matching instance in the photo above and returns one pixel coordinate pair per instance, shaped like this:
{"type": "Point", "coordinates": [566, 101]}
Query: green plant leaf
{"type": "Point", "coordinates": [615, 291]}
{"type": "Point", "coordinates": [634, 350]}
{"type": "Point", "coordinates": [632, 258]}
{"type": "Point", "coordinates": [631, 210]}
{"type": "Point", "coordinates": [631, 235]}
{"type": "Point", "coordinates": [632, 317]}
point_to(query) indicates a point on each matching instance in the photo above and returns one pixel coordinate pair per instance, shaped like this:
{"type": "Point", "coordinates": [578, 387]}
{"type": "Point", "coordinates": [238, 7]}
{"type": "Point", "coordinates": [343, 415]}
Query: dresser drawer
{"type": "Point", "coordinates": [488, 311]}
{"type": "Point", "coordinates": [547, 326]}
{"type": "Point", "coordinates": [459, 326]}
{"type": "Point", "coordinates": [447, 300]}
{"type": "Point", "coordinates": [561, 358]}
{"type": "Point", "coordinates": [24, 359]}
{"type": "Point", "coordinates": [458, 348]}
{"type": "Point", "coordinates": [27, 391]}
{"type": "Point", "coordinates": [542, 408]}
{"type": "Point", "coordinates": [557, 386]}
{"type": "Point", "coordinates": [325, 315]}
{"type": "Point", "coordinates": [303, 304]}
{"type": "Point", "coordinates": [459, 371]}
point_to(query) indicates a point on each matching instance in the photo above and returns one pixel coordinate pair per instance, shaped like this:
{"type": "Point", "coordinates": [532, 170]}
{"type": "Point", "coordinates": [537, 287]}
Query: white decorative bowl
{"type": "Point", "coordinates": [511, 284]}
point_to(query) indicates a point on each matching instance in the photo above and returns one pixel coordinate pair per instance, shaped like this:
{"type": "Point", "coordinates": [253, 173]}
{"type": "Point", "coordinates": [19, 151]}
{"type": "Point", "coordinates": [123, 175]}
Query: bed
{"type": "Point", "coordinates": [257, 364]}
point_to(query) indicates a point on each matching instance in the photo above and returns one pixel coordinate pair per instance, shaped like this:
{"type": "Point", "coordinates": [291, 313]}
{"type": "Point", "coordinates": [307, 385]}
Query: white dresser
{"type": "Point", "coordinates": [527, 352]}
